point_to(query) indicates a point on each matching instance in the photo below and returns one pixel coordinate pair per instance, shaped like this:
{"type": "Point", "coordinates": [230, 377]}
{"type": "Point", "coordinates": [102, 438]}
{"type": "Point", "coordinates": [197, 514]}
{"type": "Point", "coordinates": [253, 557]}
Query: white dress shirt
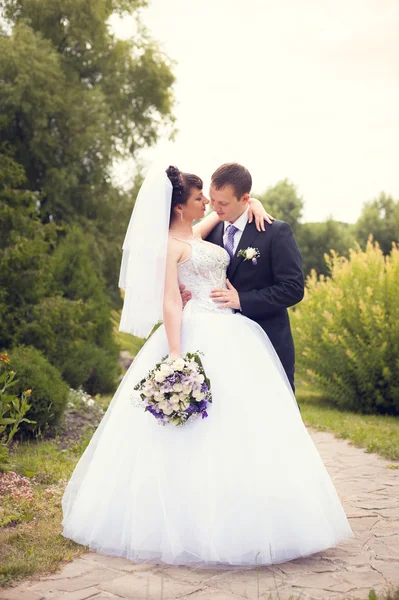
{"type": "Point", "coordinates": [240, 224]}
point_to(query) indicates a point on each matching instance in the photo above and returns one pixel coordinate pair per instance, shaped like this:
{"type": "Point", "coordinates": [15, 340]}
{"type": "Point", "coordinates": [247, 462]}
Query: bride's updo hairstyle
{"type": "Point", "coordinates": [182, 185]}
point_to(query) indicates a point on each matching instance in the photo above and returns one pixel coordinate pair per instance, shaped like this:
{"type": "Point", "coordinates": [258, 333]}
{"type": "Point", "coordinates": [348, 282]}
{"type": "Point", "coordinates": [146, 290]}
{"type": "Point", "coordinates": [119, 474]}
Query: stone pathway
{"type": "Point", "coordinates": [369, 490]}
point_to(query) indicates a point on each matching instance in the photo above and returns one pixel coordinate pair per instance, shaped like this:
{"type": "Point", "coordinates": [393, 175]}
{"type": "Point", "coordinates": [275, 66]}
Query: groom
{"type": "Point", "coordinates": [261, 288]}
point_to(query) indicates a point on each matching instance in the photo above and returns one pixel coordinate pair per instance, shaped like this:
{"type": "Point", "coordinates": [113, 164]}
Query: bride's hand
{"type": "Point", "coordinates": [257, 211]}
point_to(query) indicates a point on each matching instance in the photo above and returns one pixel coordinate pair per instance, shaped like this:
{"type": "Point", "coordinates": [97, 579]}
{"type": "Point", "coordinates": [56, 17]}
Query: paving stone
{"type": "Point", "coordinates": [389, 570]}
{"type": "Point", "coordinates": [362, 579]}
{"type": "Point", "coordinates": [116, 563]}
{"type": "Point", "coordinates": [385, 548]}
{"type": "Point", "coordinates": [85, 594]}
{"type": "Point", "coordinates": [314, 594]}
{"type": "Point", "coordinates": [104, 596]}
{"type": "Point", "coordinates": [211, 595]}
{"type": "Point", "coordinates": [192, 576]}
{"type": "Point", "coordinates": [20, 593]}
{"type": "Point", "coordinates": [365, 523]}
{"type": "Point", "coordinates": [148, 587]}
{"type": "Point", "coordinates": [324, 581]}
{"type": "Point", "coordinates": [264, 580]}
{"type": "Point", "coordinates": [76, 568]}
{"type": "Point", "coordinates": [90, 579]}
{"type": "Point", "coordinates": [307, 565]}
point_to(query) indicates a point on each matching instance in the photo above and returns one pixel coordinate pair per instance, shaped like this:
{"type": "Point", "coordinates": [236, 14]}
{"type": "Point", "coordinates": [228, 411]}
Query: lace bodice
{"type": "Point", "coordinates": [204, 271]}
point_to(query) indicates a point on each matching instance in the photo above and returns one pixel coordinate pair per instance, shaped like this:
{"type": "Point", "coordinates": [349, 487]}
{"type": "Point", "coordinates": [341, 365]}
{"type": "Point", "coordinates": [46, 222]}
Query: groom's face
{"type": "Point", "coordinates": [227, 206]}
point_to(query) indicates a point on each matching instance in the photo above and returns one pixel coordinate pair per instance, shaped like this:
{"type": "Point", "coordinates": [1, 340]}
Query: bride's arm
{"type": "Point", "coordinates": [205, 226]}
{"type": "Point", "coordinates": [172, 302]}
{"type": "Point", "coordinates": [256, 211]}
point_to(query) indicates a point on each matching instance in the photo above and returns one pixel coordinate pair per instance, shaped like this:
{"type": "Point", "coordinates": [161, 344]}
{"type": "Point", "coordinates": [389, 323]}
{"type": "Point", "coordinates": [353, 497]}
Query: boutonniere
{"type": "Point", "coordinates": [251, 254]}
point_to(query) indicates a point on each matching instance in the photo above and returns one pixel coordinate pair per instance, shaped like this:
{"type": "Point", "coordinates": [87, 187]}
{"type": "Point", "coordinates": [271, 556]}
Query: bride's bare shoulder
{"type": "Point", "coordinates": [177, 249]}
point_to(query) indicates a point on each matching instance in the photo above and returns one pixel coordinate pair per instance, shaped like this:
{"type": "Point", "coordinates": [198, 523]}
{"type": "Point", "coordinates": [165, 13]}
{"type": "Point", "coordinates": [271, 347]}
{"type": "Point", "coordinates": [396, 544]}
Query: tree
{"type": "Point", "coordinates": [50, 295]}
{"type": "Point", "coordinates": [73, 97]}
{"type": "Point", "coordinates": [380, 218]}
{"type": "Point", "coordinates": [315, 240]}
{"type": "Point", "coordinates": [25, 244]}
{"type": "Point", "coordinates": [282, 201]}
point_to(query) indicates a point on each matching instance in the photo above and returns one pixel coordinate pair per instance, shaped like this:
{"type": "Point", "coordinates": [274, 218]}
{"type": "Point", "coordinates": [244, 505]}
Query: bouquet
{"type": "Point", "coordinates": [176, 390]}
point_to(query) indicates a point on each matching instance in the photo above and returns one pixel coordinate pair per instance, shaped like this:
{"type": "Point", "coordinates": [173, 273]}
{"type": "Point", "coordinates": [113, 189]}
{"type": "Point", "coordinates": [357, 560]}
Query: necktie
{"type": "Point", "coordinates": [229, 246]}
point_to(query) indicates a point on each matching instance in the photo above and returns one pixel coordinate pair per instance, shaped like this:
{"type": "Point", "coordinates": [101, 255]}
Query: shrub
{"type": "Point", "coordinates": [347, 331]}
{"type": "Point", "coordinates": [12, 408]}
{"type": "Point", "coordinates": [72, 334]}
{"type": "Point", "coordinates": [49, 392]}
{"type": "Point", "coordinates": [93, 368]}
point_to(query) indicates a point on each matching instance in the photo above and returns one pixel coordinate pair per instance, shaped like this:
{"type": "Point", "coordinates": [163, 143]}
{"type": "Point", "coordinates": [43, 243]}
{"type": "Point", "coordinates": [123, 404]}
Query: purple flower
{"type": "Point", "coordinates": [153, 411]}
{"type": "Point", "coordinates": [254, 261]}
{"type": "Point", "coordinates": [204, 414]}
{"type": "Point", "coordinates": [204, 387]}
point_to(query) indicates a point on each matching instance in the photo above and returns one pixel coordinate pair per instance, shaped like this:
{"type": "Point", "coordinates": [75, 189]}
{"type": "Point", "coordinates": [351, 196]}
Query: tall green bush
{"type": "Point", "coordinates": [347, 331]}
{"type": "Point", "coordinates": [12, 409]}
{"type": "Point", "coordinates": [49, 394]}
{"type": "Point", "coordinates": [93, 368]}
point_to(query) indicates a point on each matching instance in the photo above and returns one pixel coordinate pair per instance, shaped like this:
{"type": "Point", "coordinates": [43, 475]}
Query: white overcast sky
{"type": "Point", "coordinates": [303, 89]}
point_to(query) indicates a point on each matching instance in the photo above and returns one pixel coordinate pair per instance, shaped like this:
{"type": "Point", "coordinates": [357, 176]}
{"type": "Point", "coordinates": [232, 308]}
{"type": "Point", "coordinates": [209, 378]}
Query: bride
{"type": "Point", "coordinates": [244, 486]}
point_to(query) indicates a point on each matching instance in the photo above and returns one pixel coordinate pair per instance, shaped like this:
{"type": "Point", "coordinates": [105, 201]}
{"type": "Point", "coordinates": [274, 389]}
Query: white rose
{"type": "Point", "coordinates": [159, 377]}
{"type": "Point", "coordinates": [182, 397]}
{"type": "Point", "coordinates": [174, 400]}
{"type": "Point", "coordinates": [90, 402]}
{"type": "Point", "coordinates": [166, 408]}
{"type": "Point", "coordinates": [185, 404]}
{"type": "Point", "coordinates": [198, 395]}
{"type": "Point", "coordinates": [186, 389]}
{"type": "Point", "coordinates": [200, 378]}
{"type": "Point", "coordinates": [250, 252]}
{"type": "Point", "coordinates": [178, 387]}
{"type": "Point", "coordinates": [178, 365]}
{"type": "Point", "coordinates": [158, 396]}
{"type": "Point", "coordinates": [166, 370]}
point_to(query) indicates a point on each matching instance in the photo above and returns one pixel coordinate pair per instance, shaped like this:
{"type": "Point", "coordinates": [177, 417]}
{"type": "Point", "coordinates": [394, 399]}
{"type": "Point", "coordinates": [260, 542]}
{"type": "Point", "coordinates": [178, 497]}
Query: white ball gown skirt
{"type": "Point", "coordinates": [244, 486]}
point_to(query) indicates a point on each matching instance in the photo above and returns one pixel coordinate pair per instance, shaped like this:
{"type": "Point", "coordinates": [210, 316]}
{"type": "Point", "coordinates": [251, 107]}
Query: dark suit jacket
{"type": "Point", "coordinates": [268, 288]}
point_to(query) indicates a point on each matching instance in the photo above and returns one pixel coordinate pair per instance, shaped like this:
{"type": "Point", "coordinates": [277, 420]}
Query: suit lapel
{"type": "Point", "coordinates": [248, 236]}
{"type": "Point", "coordinates": [216, 236]}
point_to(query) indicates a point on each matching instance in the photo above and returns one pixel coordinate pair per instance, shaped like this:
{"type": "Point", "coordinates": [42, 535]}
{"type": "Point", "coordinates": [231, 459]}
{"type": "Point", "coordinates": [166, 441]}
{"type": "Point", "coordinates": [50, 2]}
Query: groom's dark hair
{"type": "Point", "coordinates": [235, 175]}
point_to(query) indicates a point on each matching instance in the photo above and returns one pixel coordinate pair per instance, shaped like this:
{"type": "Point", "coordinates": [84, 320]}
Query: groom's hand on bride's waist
{"type": "Point", "coordinates": [185, 295]}
{"type": "Point", "coordinates": [227, 298]}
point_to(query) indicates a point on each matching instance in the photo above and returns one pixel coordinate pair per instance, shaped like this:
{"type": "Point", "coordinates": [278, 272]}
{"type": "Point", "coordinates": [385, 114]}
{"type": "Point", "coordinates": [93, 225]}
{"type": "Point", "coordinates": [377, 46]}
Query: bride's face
{"type": "Point", "coordinates": [195, 206]}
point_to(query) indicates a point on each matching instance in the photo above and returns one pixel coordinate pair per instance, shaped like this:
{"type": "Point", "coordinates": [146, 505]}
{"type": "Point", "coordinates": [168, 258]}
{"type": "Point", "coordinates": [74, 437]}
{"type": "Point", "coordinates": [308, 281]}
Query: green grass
{"type": "Point", "coordinates": [30, 530]}
{"type": "Point", "coordinates": [374, 433]}
{"type": "Point", "coordinates": [125, 341]}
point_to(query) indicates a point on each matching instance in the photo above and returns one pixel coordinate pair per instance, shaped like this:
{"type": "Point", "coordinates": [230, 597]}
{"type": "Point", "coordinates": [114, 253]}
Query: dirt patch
{"type": "Point", "coordinates": [76, 424]}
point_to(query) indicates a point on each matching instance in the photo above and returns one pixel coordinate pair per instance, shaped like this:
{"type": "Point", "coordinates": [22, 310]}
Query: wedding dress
{"type": "Point", "coordinates": [243, 486]}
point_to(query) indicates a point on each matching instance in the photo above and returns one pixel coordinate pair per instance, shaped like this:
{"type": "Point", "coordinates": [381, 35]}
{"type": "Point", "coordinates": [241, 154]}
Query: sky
{"type": "Point", "coordinates": [301, 89]}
